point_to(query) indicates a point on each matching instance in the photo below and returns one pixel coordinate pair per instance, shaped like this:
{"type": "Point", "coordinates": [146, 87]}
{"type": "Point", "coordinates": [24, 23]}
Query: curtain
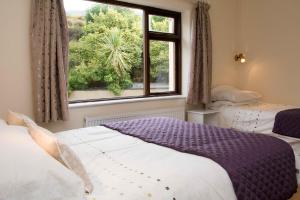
{"type": "Point", "coordinates": [49, 48]}
{"type": "Point", "coordinates": [201, 68]}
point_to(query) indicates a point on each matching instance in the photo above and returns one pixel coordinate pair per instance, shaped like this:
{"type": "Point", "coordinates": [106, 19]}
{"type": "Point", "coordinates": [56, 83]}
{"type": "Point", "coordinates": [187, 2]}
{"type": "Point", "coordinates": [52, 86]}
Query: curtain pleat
{"type": "Point", "coordinates": [49, 48]}
{"type": "Point", "coordinates": [201, 68]}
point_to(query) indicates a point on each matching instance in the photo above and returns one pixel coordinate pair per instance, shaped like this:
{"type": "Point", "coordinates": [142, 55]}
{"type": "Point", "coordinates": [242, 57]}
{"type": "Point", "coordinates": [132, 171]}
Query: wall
{"type": "Point", "coordinates": [270, 37]}
{"type": "Point", "coordinates": [15, 72]}
{"type": "Point", "coordinates": [78, 114]}
{"type": "Point", "coordinates": [224, 20]}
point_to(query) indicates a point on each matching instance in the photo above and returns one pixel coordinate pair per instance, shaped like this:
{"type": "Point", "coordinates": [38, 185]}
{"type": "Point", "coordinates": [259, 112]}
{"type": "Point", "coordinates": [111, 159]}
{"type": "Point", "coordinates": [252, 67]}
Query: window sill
{"type": "Point", "coordinates": [124, 101]}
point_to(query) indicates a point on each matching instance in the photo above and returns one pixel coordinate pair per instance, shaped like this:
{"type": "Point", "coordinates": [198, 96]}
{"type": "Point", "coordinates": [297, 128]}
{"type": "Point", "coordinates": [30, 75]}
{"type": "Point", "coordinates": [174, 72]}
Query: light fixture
{"type": "Point", "coordinates": [240, 58]}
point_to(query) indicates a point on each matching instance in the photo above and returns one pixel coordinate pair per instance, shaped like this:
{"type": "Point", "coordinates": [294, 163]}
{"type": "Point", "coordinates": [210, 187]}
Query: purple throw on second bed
{"type": "Point", "coordinates": [287, 122]}
{"type": "Point", "coordinates": [260, 167]}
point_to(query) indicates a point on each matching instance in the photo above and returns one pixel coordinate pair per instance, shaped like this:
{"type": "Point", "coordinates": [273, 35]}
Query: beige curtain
{"type": "Point", "coordinates": [49, 44]}
{"type": "Point", "coordinates": [201, 68]}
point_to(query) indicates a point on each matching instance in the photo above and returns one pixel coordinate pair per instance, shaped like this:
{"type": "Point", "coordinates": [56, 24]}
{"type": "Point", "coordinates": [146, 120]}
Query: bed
{"type": "Point", "coordinates": [127, 167]}
{"type": "Point", "coordinates": [135, 170]}
{"type": "Point", "coordinates": [243, 110]}
{"type": "Point", "coordinates": [256, 117]}
{"type": "Point", "coordinates": [124, 166]}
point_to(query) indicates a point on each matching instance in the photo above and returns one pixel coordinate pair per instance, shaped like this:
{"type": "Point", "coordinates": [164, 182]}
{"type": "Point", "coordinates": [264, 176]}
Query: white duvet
{"type": "Point", "coordinates": [131, 169]}
{"type": "Point", "coordinates": [124, 167]}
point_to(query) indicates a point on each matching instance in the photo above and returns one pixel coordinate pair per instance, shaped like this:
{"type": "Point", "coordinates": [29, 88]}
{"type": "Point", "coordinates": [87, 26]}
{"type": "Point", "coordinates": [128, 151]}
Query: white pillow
{"type": "Point", "coordinates": [17, 119]}
{"type": "Point", "coordinates": [2, 123]}
{"type": "Point", "coordinates": [61, 152]}
{"type": "Point", "coordinates": [232, 94]}
{"type": "Point", "coordinates": [218, 104]}
{"type": "Point", "coordinates": [28, 172]}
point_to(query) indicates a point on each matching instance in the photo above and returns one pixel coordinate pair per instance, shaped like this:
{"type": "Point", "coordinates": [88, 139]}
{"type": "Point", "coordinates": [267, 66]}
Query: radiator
{"type": "Point", "coordinates": [178, 113]}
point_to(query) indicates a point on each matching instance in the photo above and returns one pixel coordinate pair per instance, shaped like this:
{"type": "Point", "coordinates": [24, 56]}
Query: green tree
{"type": "Point", "coordinates": [107, 50]}
{"type": "Point", "coordinates": [159, 61]}
{"type": "Point", "coordinates": [95, 10]}
{"type": "Point", "coordinates": [75, 25]}
{"type": "Point", "coordinates": [114, 51]}
{"type": "Point", "coordinates": [160, 24]}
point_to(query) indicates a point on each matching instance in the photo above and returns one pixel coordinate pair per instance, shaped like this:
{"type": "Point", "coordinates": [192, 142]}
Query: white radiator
{"type": "Point", "coordinates": [178, 113]}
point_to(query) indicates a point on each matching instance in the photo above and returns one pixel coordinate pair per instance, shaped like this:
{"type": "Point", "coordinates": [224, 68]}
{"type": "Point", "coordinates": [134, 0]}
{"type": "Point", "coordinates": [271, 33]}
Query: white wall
{"type": "Point", "coordinates": [270, 36]}
{"type": "Point", "coordinates": [15, 71]}
{"type": "Point", "coordinates": [78, 114]}
{"type": "Point", "coordinates": [224, 19]}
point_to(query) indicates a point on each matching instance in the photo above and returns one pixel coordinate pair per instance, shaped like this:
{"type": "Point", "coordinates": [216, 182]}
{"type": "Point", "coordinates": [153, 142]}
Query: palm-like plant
{"type": "Point", "coordinates": [114, 50]}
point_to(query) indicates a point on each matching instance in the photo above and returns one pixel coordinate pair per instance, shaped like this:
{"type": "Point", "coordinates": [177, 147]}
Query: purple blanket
{"type": "Point", "coordinates": [260, 167]}
{"type": "Point", "coordinates": [287, 123]}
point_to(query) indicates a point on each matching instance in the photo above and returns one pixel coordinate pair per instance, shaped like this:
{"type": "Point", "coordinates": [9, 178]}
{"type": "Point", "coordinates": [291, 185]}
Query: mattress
{"type": "Point", "coordinates": [125, 167]}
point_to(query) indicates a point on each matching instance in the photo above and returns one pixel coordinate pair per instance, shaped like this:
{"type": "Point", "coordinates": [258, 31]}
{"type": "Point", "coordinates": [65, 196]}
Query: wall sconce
{"type": "Point", "coordinates": [240, 58]}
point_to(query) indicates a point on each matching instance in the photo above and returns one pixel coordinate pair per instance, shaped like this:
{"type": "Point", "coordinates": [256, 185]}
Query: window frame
{"type": "Point", "coordinates": [148, 36]}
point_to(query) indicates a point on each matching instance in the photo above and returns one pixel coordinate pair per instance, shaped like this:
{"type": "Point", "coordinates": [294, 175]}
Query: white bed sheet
{"type": "Point", "coordinates": [124, 166]}
{"type": "Point", "coordinates": [256, 117]}
{"type": "Point", "coordinates": [131, 169]}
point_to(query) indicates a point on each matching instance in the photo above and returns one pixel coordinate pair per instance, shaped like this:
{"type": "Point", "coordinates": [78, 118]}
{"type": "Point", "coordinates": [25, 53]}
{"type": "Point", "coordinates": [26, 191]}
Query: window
{"type": "Point", "coordinates": [122, 50]}
{"type": "Point", "coordinates": [161, 24]}
{"type": "Point", "coordinates": [162, 66]}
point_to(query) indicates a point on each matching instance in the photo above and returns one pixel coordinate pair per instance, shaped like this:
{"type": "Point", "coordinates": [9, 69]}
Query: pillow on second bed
{"type": "Point", "coordinates": [219, 104]}
{"type": "Point", "coordinates": [232, 94]}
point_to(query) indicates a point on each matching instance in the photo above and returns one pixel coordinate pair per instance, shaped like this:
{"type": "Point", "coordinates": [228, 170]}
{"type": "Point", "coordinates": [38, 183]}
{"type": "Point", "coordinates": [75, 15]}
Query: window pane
{"type": "Point", "coordinates": [161, 24]}
{"type": "Point", "coordinates": [106, 50]}
{"type": "Point", "coordinates": [162, 66]}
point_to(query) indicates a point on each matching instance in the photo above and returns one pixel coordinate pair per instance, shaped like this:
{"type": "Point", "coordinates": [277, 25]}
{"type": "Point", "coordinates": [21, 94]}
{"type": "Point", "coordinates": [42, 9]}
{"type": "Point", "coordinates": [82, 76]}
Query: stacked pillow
{"type": "Point", "coordinates": [50, 144]}
{"type": "Point", "coordinates": [29, 173]}
{"type": "Point", "coordinates": [2, 123]}
{"type": "Point", "coordinates": [234, 95]}
{"type": "Point", "coordinates": [60, 151]}
{"type": "Point", "coordinates": [17, 119]}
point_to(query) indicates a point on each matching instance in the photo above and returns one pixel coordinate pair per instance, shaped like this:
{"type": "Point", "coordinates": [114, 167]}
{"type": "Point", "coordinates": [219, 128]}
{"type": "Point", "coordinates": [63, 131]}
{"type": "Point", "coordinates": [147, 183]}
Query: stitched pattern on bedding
{"type": "Point", "coordinates": [259, 166]}
{"type": "Point", "coordinates": [258, 117]}
{"type": "Point", "coordinates": [121, 176]}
